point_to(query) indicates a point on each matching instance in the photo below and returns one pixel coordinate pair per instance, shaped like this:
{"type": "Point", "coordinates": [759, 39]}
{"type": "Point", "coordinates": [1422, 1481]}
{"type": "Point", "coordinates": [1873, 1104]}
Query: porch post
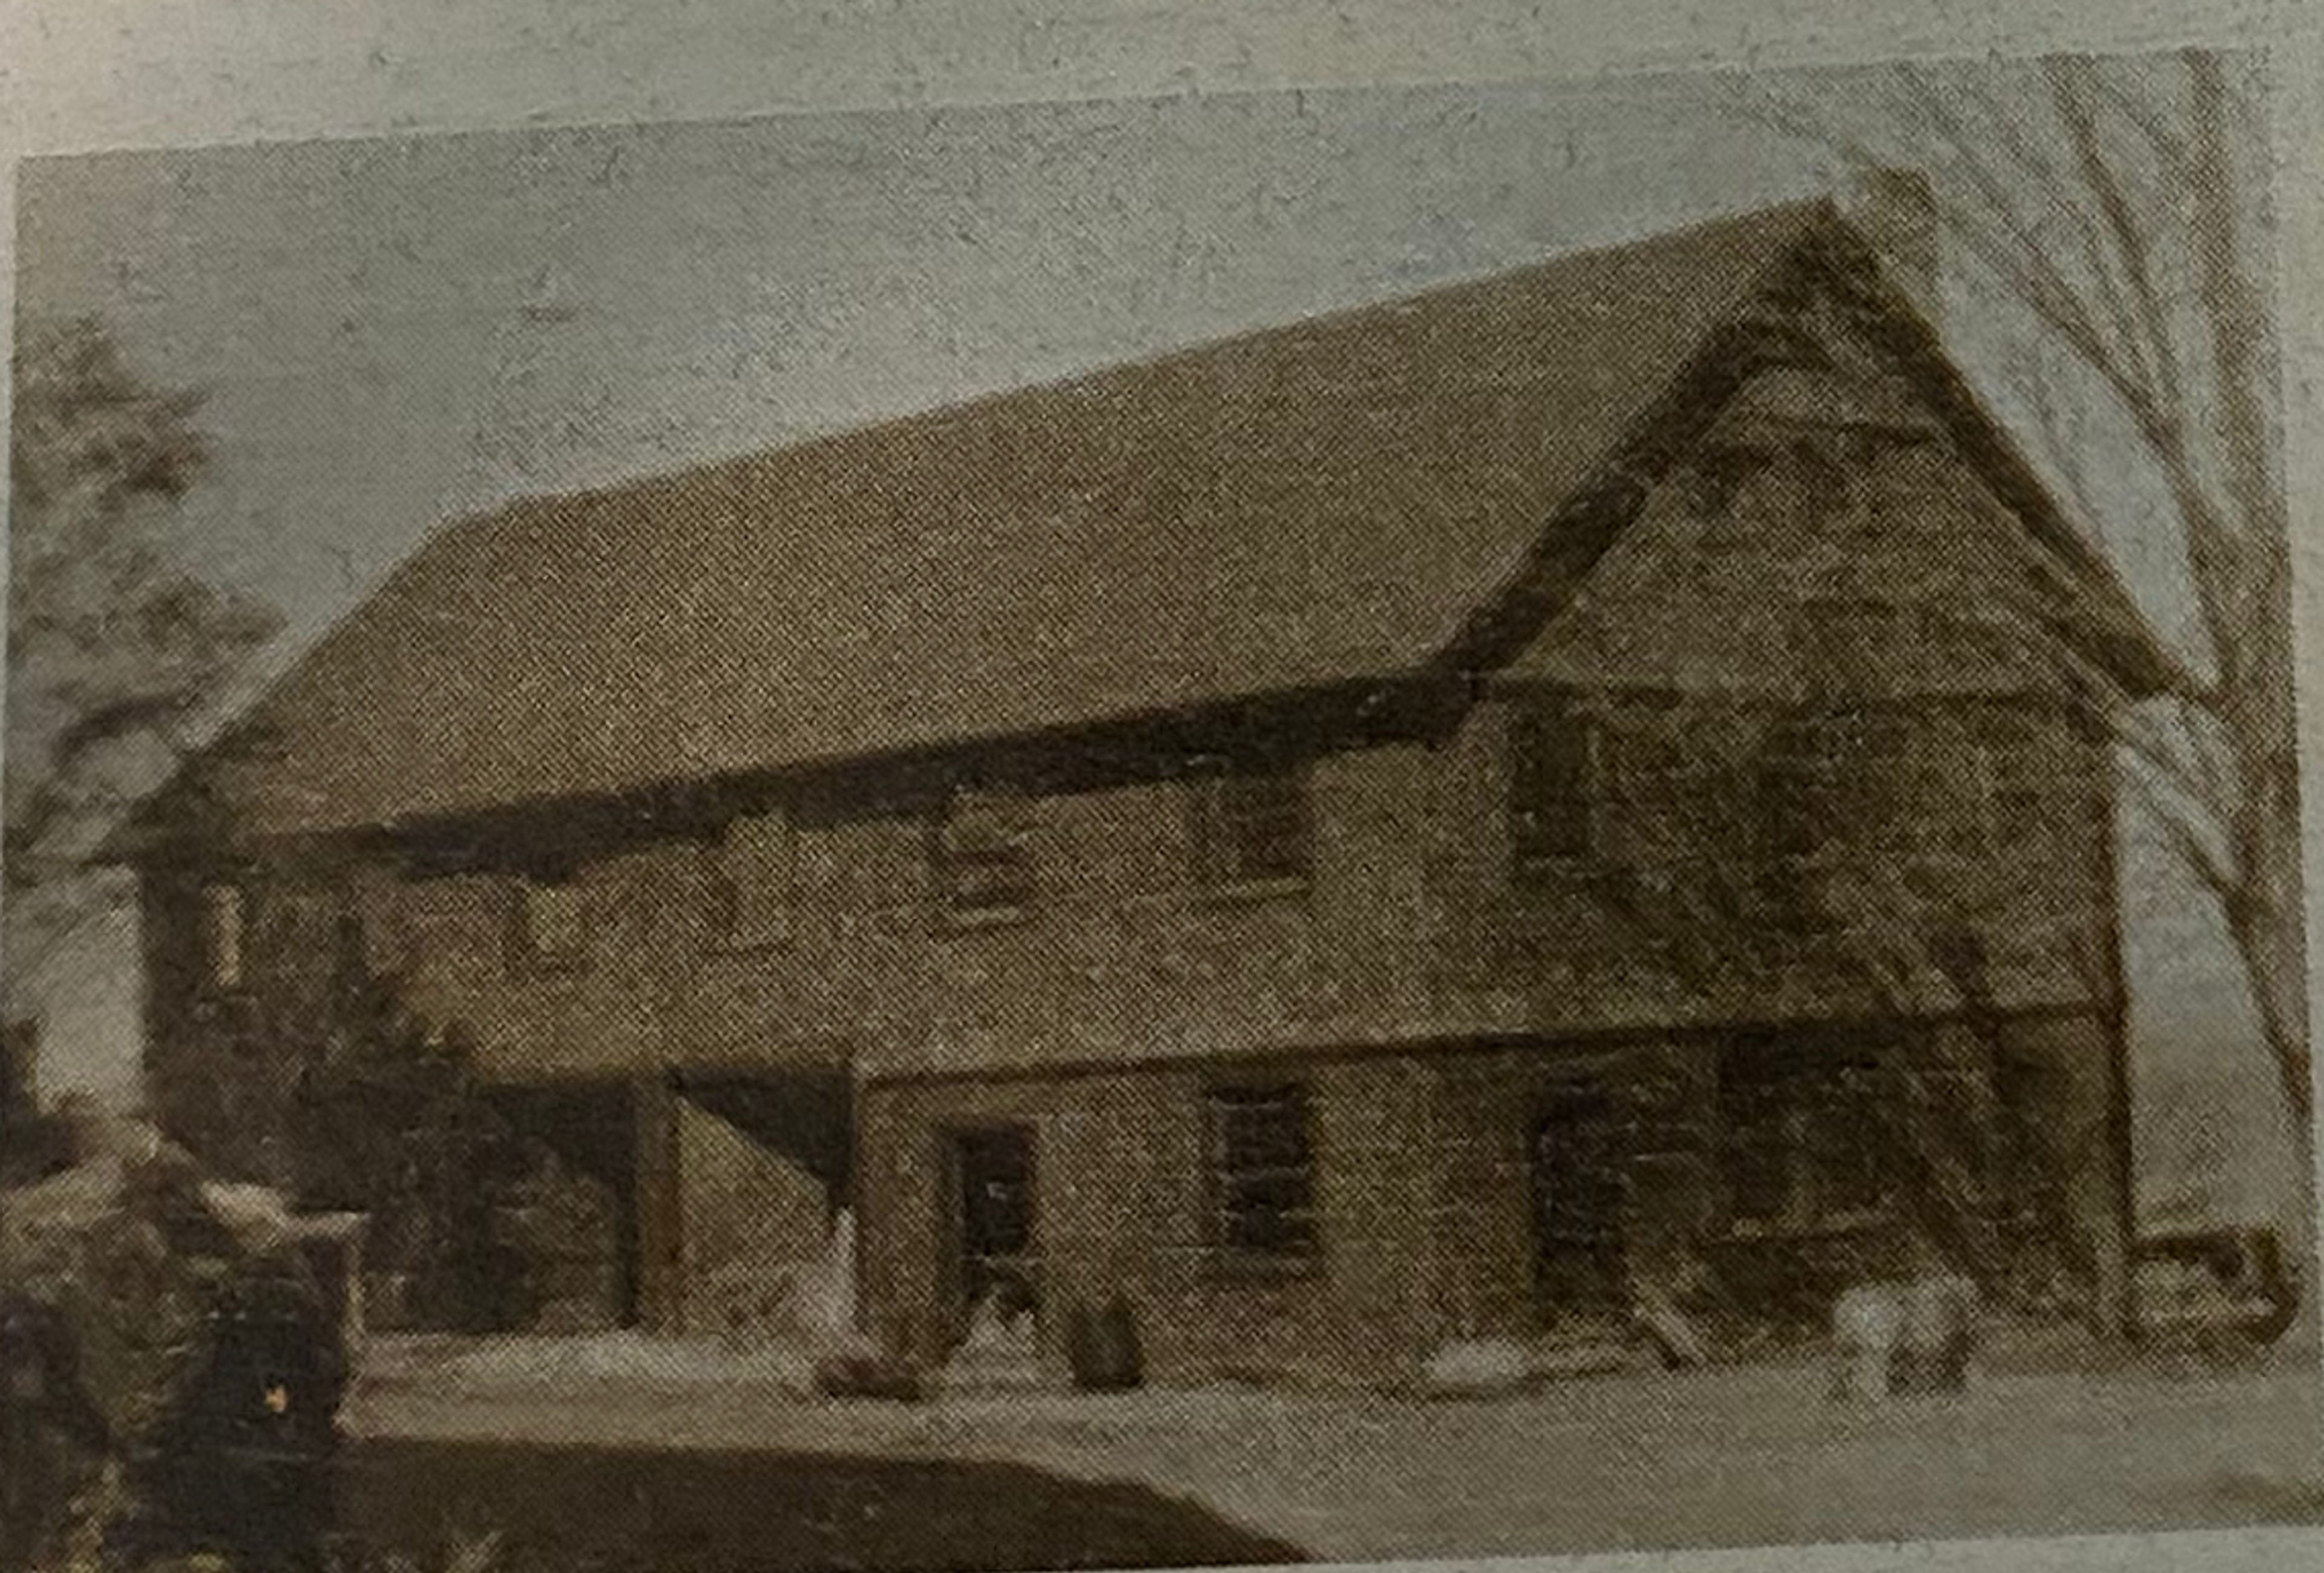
{"type": "Point", "coordinates": [661, 1296]}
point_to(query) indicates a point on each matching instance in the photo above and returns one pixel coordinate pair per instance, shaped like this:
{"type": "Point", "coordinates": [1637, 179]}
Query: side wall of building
{"type": "Point", "coordinates": [1124, 1207]}
{"type": "Point", "coordinates": [1426, 1190]}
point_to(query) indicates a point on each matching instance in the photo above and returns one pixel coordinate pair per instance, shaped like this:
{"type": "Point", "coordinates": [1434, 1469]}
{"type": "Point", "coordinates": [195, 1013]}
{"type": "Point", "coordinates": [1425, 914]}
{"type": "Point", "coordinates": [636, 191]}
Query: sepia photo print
{"type": "Point", "coordinates": [1496, 819]}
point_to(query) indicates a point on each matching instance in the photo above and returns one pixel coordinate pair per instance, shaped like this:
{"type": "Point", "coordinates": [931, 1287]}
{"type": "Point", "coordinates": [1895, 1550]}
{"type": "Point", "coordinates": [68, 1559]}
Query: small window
{"type": "Point", "coordinates": [983, 858]}
{"type": "Point", "coordinates": [226, 921]}
{"type": "Point", "coordinates": [751, 877]}
{"type": "Point", "coordinates": [553, 922]}
{"type": "Point", "coordinates": [351, 953]}
{"type": "Point", "coordinates": [383, 908]}
{"type": "Point", "coordinates": [1253, 828]}
{"type": "Point", "coordinates": [1554, 758]}
{"type": "Point", "coordinates": [1807, 1136]}
{"type": "Point", "coordinates": [1262, 1164]}
{"type": "Point", "coordinates": [2020, 796]}
{"type": "Point", "coordinates": [2004, 799]}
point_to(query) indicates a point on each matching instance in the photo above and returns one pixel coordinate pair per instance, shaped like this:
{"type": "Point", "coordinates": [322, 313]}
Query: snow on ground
{"type": "Point", "coordinates": [609, 1363]}
{"type": "Point", "coordinates": [1724, 1457]}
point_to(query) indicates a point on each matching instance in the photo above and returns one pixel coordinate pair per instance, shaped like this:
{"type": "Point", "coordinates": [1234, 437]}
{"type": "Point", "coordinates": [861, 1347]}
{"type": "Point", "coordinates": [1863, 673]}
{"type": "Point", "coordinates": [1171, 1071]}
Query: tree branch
{"type": "Point", "coordinates": [2077, 113]}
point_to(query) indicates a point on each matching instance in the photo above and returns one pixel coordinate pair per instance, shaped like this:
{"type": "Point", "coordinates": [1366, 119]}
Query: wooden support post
{"type": "Point", "coordinates": [2119, 1277]}
{"type": "Point", "coordinates": [661, 1293]}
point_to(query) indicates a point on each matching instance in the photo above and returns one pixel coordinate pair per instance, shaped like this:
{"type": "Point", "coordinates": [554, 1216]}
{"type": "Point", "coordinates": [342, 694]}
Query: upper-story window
{"type": "Point", "coordinates": [1830, 783]}
{"type": "Point", "coordinates": [225, 935]}
{"type": "Point", "coordinates": [752, 875]}
{"type": "Point", "coordinates": [1554, 754]}
{"type": "Point", "coordinates": [1796, 809]}
{"type": "Point", "coordinates": [1262, 1166]}
{"type": "Point", "coordinates": [382, 906]}
{"type": "Point", "coordinates": [983, 857]}
{"type": "Point", "coordinates": [1253, 828]}
{"type": "Point", "coordinates": [553, 921]}
{"type": "Point", "coordinates": [2005, 802]}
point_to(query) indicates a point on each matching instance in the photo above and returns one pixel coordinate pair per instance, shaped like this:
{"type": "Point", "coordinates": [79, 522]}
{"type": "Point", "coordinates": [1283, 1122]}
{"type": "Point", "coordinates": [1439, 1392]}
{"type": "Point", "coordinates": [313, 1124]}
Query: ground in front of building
{"type": "Point", "coordinates": [1751, 1455]}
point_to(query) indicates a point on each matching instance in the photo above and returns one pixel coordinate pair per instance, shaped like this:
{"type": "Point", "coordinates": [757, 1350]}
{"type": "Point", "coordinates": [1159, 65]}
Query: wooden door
{"type": "Point", "coordinates": [1580, 1207]}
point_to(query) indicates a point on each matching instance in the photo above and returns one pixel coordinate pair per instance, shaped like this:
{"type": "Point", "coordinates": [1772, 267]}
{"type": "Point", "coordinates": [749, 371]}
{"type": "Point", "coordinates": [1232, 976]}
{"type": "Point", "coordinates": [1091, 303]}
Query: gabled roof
{"type": "Point", "coordinates": [1332, 500]}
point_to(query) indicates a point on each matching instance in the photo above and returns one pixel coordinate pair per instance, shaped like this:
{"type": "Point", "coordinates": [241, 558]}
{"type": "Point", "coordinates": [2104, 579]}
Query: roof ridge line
{"type": "Point", "coordinates": [1801, 208]}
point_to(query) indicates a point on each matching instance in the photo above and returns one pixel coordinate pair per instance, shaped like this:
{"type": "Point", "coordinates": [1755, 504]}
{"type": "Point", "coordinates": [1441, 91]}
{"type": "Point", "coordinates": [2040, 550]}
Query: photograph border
{"type": "Point", "coordinates": [82, 75]}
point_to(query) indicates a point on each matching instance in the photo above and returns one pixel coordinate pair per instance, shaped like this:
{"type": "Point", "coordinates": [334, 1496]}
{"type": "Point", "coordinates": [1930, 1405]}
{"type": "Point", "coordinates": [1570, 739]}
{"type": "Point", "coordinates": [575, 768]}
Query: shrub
{"type": "Point", "coordinates": [149, 1316]}
{"type": "Point", "coordinates": [388, 1118]}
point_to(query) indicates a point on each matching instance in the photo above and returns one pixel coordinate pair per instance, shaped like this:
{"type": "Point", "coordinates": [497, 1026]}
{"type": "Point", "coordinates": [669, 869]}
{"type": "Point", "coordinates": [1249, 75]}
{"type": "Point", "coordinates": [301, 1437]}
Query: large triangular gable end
{"type": "Point", "coordinates": [1832, 262]}
{"type": "Point", "coordinates": [2115, 633]}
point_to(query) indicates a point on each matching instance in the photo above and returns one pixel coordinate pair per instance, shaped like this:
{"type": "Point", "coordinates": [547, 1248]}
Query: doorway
{"type": "Point", "coordinates": [1580, 1206]}
{"type": "Point", "coordinates": [994, 1224]}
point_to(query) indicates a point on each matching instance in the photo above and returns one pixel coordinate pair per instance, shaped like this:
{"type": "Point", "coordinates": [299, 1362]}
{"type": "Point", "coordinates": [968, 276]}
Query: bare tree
{"type": "Point", "coordinates": [2112, 205]}
{"type": "Point", "coordinates": [113, 646]}
{"type": "Point", "coordinates": [1867, 849]}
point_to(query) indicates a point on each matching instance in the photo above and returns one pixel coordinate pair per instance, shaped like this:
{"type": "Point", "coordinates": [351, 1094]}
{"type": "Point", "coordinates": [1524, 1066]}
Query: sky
{"type": "Point", "coordinates": [389, 332]}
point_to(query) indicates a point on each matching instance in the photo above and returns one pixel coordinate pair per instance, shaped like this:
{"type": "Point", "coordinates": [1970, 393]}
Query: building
{"type": "Point", "coordinates": [1434, 821]}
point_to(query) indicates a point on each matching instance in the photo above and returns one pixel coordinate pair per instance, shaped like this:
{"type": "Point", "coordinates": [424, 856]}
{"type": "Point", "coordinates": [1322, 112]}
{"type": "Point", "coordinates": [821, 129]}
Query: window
{"type": "Point", "coordinates": [1262, 1164]}
{"type": "Point", "coordinates": [2028, 1091]}
{"type": "Point", "coordinates": [383, 907]}
{"type": "Point", "coordinates": [1552, 779]}
{"type": "Point", "coordinates": [2006, 803]}
{"type": "Point", "coordinates": [1252, 827]}
{"type": "Point", "coordinates": [1581, 1202]}
{"type": "Point", "coordinates": [1807, 1136]}
{"type": "Point", "coordinates": [751, 876]}
{"type": "Point", "coordinates": [226, 920]}
{"type": "Point", "coordinates": [1829, 782]}
{"type": "Point", "coordinates": [552, 922]}
{"type": "Point", "coordinates": [1793, 802]}
{"type": "Point", "coordinates": [350, 951]}
{"type": "Point", "coordinates": [983, 858]}
{"type": "Point", "coordinates": [2022, 808]}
